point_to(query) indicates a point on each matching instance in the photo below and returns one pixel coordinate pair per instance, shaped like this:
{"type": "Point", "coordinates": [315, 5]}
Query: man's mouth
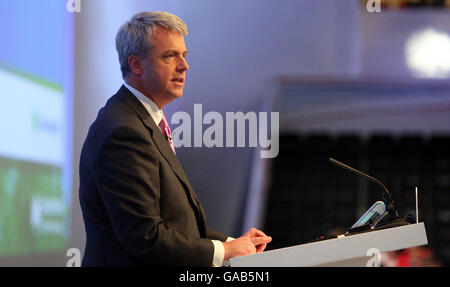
{"type": "Point", "coordinates": [178, 80]}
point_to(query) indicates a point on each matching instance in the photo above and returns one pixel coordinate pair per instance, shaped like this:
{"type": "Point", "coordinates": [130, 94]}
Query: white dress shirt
{"type": "Point", "coordinates": [157, 114]}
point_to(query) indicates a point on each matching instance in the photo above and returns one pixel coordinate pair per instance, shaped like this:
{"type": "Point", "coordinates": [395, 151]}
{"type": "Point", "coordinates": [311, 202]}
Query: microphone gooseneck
{"type": "Point", "coordinates": [386, 196]}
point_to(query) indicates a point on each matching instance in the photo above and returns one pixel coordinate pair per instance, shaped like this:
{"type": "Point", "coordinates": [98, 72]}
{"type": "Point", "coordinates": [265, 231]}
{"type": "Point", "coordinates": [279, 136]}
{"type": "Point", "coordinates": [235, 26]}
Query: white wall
{"type": "Point", "coordinates": [409, 105]}
{"type": "Point", "coordinates": [384, 37]}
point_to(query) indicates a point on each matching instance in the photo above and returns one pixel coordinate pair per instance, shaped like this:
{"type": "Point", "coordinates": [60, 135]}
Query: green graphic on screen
{"type": "Point", "coordinates": [31, 208]}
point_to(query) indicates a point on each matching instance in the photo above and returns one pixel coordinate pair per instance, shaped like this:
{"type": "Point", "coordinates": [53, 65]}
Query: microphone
{"type": "Point", "coordinates": [386, 196]}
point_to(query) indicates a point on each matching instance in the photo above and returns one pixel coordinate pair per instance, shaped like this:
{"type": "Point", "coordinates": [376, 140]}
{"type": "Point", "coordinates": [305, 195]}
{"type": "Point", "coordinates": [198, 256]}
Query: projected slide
{"type": "Point", "coordinates": [34, 206]}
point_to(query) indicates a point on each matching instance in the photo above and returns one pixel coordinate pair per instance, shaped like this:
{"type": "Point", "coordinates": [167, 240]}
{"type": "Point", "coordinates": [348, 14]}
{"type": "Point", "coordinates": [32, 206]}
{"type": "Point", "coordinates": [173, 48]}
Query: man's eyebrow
{"type": "Point", "coordinates": [170, 51]}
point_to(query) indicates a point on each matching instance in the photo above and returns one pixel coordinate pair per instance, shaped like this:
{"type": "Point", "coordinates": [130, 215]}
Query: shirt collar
{"type": "Point", "coordinates": [148, 104]}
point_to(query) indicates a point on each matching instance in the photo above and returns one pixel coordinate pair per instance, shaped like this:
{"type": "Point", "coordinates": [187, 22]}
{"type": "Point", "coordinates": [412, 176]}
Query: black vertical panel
{"type": "Point", "coordinates": [384, 164]}
{"type": "Point", "coordinates": [440, 186]}
{"type": "Point", "coordinates": [348, 149]}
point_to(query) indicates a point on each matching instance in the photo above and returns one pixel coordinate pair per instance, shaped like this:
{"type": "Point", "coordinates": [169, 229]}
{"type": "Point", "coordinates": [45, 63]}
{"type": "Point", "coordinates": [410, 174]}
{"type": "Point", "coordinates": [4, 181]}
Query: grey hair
{"type": "Point", "coordinates": [133, 37]}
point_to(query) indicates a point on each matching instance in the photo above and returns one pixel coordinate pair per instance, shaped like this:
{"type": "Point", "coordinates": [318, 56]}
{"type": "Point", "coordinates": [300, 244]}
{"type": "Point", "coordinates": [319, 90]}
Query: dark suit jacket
{"type": "Point", "coordinates": [138, 205]}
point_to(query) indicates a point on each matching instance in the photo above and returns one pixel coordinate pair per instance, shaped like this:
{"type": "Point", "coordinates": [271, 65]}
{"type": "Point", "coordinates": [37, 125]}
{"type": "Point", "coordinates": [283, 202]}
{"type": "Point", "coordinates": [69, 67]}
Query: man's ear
{"type": "Point", "coordinates": [135, 63]}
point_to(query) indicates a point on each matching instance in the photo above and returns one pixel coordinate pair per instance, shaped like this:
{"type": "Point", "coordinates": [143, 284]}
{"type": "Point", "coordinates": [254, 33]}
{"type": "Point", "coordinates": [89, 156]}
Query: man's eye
{"type": "Point", "coordinates": [169, 58]}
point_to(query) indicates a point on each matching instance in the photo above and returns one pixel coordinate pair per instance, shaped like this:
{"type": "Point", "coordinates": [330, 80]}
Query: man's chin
{"type": "Point", "coordinates": [177, 94]}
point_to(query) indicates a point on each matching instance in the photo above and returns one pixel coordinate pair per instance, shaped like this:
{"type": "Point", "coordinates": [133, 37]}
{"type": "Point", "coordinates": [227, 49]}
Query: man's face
{"type": "Point", "coordinates": [164, 70]}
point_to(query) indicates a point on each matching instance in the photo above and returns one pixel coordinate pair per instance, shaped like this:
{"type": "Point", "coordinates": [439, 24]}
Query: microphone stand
{"type": "Point", "coordinates": [386, 196]}
{"type": "Point", "coordinates": [392, 219]}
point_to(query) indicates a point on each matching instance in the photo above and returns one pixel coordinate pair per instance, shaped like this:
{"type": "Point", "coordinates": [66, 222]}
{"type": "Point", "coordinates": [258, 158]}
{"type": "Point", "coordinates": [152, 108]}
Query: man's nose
{"type": "Point", "coordinates": [183, 65]}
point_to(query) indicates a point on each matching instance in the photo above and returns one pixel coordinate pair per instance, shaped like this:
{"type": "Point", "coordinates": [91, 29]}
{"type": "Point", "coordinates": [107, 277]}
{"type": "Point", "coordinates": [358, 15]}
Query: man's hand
{"type": "Point", "coordinates": [254, 233]}
{"type": "Point", "coordinates": [254, 241]}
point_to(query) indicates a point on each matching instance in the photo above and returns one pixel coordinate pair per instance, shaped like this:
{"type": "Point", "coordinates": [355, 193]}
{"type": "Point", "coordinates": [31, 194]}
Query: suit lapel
{"type": "Point", "coordinates": [168, 154]}
{"type": "Point", "coordinates": [161, 144]}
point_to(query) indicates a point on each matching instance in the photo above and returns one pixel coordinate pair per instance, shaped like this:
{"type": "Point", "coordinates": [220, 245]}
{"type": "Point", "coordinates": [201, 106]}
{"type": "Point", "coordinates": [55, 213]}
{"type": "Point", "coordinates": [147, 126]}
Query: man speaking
{"type": "Point", "coordinates": [138, 205]}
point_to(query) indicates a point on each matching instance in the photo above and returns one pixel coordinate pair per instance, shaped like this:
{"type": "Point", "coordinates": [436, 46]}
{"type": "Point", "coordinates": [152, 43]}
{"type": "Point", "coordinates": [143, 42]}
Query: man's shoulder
{"type": "Point", "coordinates": [116, 117]}
{"type": "Point", "coordinates": [116, 112]}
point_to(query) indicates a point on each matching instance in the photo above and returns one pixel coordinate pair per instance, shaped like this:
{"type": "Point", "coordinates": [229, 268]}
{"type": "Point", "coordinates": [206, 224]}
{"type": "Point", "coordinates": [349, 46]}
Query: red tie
{"type": "Point", "coordinates": [165, 129]}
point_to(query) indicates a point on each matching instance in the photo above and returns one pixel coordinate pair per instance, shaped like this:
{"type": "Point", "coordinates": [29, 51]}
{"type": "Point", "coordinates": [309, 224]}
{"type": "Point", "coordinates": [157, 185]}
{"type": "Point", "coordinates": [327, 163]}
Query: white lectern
{"type": "Point", "coordinates": [344, 251]}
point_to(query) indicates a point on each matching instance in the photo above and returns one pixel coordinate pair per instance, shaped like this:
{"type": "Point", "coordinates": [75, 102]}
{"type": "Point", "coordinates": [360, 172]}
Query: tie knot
{"type": "Point", "coordinates": [163, 124]}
